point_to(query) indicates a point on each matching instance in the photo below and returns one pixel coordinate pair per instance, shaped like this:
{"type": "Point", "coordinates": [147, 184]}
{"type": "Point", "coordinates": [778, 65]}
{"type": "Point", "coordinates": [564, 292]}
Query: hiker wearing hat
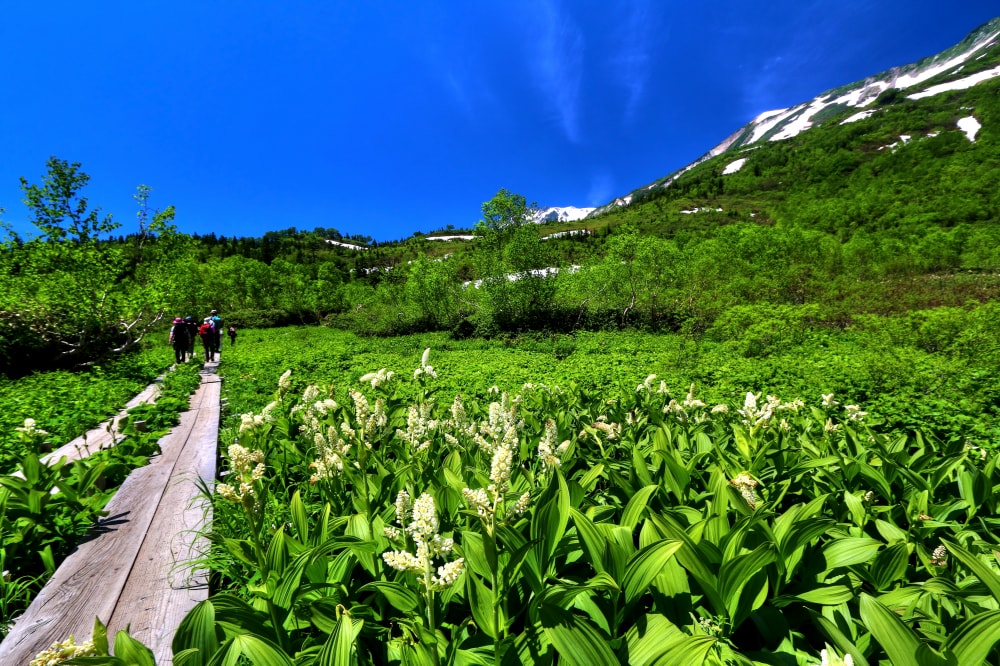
{"type": "Point", "coordinates": [217, 323]}
{"type": "Point", "coordinates": [180, 338]}
{"type": "Point", "coordinates": [207, 334]}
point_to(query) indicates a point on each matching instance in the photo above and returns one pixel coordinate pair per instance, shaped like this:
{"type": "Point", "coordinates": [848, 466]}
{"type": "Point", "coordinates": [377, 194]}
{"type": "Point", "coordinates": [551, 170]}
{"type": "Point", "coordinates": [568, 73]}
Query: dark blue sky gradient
{"type": "Point", "coordinates": [394, 117]}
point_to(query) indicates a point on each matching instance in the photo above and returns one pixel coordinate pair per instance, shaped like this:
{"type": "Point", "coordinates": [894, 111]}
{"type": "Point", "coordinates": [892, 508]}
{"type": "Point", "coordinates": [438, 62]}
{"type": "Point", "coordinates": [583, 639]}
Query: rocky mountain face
{"type": "Point", "coordinates": [973, 61]}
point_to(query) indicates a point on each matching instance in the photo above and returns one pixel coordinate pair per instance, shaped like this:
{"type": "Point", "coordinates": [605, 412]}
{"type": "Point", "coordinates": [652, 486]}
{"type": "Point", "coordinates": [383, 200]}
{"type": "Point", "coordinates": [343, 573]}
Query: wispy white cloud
{"type": "Point", "coordinates": [810, 53]}
{"type": "Point", "coordinates": [556, 62]}
{"type": "Point", "coordinates": [601, 190]}
{"type": "Point", "coordinates": [632, 59]}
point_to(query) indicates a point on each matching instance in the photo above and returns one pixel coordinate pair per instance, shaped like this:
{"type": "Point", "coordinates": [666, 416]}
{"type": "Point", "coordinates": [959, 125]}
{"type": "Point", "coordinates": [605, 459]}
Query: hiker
{"type": "Point", "coordinates": [207, 334]}
{"type": "Point", "coordinates": [180, 338]}
{"type": "Point", "coordinates": [232, 336]}
{"type": "Point", "coordinates": [217, 323]}
{"type": "Point", "coordinates": [192, 334]}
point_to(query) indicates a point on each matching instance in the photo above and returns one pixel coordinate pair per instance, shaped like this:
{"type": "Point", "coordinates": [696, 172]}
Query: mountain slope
{"type": "Point", "coordinates": [973, 61]}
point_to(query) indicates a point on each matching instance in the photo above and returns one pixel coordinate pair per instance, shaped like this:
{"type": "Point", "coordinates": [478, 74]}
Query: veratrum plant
{"type": "Point", "coordinates": [564, 526]}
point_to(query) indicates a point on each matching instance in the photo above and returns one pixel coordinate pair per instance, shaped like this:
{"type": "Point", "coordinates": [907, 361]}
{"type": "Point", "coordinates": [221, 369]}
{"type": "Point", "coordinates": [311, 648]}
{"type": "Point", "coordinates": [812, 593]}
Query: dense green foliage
{"type": "Point", "coordinates": [932, 371]}
{"type": "Point", "coordinates": [45, 509]}
{"type": "Point", "coordinates": [386, 520]}
{"type": "Point", "coordinates": [65, 404]}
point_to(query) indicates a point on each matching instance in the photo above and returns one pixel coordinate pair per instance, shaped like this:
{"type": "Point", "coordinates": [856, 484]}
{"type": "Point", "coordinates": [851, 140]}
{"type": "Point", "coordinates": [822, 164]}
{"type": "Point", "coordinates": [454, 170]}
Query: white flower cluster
{"type": "Point", "coordinates": [331, 452]}
{"type": "Point", "coordinates": [550, 452]}
{"type": "Point", "coordinates": [419, 520]}
{"type": "Point", "coordinates": [248, 466]}
{"type": "Point", "coordinates": [828, 658]}
{"type": "Point", "coordinates": [459, 423]}
{"type": "Point", "coordinates": [420, 427]}
{"type": "Point", "coordinates": [371, 419]}
{"type": "Point", "coordinates": [611, 431]}
{"type": "Point", "coordinates": [939, 557]}
{"type": "Point", "coordinates": [647, 386]}
{"type": "Point", "coordinates": [379, 378]}
{"type": "Point", "coordinates": [760, 417]}
{"type": "Point", "coordinates": [690, 402]}
{"type": "Point", "coordinates": [251, 421]}
{"type": "Point", "coordinates": [542, 388]}
{"type": "Point", "coordinates": [485, 502]}
{"type": "Point", "coordinates": [284, 382]}
{"type": "Point", "coordinates": [972, 449]}
{"type": "Point", "coordinates": [63, 651]}
{"type": "Point", "coordinates": [502, 427]}
{"type": "Point", "coordinates": [425, 367]}
{"type": "Point", "coordinates": [746, 484]}
{"type": "Point", "coordinates": [854, 413]}
{"type": "Point", "coordinates": [30, 430]}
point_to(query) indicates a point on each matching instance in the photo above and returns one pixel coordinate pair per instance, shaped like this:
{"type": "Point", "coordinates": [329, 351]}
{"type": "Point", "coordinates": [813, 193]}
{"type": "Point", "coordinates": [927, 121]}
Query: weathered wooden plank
{"type": "Point", "coordinates": [90, 582]}
{"type": "Point", "coordinates": [162, 588]}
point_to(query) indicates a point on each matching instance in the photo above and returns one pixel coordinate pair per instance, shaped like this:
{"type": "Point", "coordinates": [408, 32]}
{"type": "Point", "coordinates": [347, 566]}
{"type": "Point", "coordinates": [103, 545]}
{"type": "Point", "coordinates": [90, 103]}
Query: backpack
{"type": "Point", "coordinates": [179, 332]}
{"type": "Point", "coordinates": [205, 330]}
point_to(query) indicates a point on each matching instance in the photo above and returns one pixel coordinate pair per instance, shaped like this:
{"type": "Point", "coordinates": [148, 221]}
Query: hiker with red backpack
{"type": "Point", "coordinates": [207, 334]}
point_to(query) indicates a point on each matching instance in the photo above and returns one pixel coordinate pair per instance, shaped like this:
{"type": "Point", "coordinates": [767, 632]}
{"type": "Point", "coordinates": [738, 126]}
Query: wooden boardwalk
{"type": "Point", "coordinates": [103, 437]}
{"type": "Point", "coordinates": [134, 567]}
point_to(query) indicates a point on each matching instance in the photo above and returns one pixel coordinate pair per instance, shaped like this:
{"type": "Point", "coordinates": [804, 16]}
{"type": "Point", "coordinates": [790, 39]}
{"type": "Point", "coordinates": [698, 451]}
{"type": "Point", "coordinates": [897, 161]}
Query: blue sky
{"type": "Point", "coordinates": [387, 118]}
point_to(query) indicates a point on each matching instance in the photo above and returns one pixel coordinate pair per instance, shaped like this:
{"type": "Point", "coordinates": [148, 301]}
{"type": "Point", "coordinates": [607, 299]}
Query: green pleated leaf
{"type": "Point", "coordinates": [650, 638]}
{"type": "Point", "coordinates": [577, 641]}
{"type": "Point", "coordinates": [325, 613]}
{"type": "Point", "coordinates": [840, 641]}
{"type": "Point", "coordinates": [830, 595]}
{"type": "Point", "coordinates": [481, 601]}
{"type": "Point", "coordinates": [548, 524]}
{"type": "Point", "coordinates": [890, 565]}
{"type": "Point", "coordinates": [898, 640]}
{"type": "Point", "coordinates": [593, 475]}
{"type": "Point", "coordinates": [258, 650]}
{"type": "Point", "coordinates": [339, 646]}
{"type": "Point", "coordinates": [131, 651]}
{"type": "Point", "coordinates": [735, 573]}
{"type": "Point", "coordinates": [986, 575]}
{"type": "Point", "coordinates": [397, 594]}
{"type": "Point", "coordinates": [856, 506]}
{"type": "Point", "coordinates": [636, 507]}
{"type": "Point", "coordinates": [693, 560]}
{"type": "Point", "coordinates": [197, 631]}
{"type": "Point", "coordinates": [848, 551]}
{"type": "Point", "coordinates": [972, 642]}
{"type": "Point", "coordinates": [299, 520]}
{"type": "Point", "coordinates": [100, 636]}
{"type": "Point", "coordinates": [594, 543]}
{"type": "Point", "coordinates": [646, 565]}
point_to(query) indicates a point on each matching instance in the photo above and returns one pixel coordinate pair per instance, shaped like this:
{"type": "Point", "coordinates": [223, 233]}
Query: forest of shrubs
{"type": "Point", "coordinates": [841, 222]}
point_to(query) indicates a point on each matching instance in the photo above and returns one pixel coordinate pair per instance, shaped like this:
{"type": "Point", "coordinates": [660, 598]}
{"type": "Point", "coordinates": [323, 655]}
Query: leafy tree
{"type": "Point", "coordinates": [511, 261]}
{"type": "Point", "coordinates": [73, 295]}
{"type": "Point", "coordinates": [433, 291]}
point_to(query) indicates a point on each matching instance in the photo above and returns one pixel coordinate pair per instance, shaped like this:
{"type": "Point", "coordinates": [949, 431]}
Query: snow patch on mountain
{"type": "Point", "coordinates": [970, 126]}
{"type": "Point", "coordinates": [958, 84]}
{"type": "Point", "coordinates": [347, 245]}
{"type": "Point", "coordinates": [860, 115]}
{"type": "Point", "coordinates": [733, 167]}
{"type": "Point", "coordinates": [560, 214]}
